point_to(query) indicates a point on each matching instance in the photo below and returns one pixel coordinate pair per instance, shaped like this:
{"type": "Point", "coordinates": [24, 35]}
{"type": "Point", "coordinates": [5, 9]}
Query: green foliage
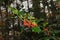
{"type": "Point", "coordinates": [1, 0]}
{"type": "Point", "coordinates": [58, 0]}
{"type": "Point", "coordinates": [45, 24]}
{"type": "Point", "coordinates": [21, 13]}
{"type": "Point", "coordinates": [36, 29]}
{"type": "Point", "coordinates": [15, 11]}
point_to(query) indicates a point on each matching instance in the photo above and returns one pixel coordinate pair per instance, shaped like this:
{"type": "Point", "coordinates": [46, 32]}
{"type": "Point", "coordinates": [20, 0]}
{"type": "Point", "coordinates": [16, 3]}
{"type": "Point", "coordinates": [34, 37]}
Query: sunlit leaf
{"type": "Point", "coordinates": [15, 11]}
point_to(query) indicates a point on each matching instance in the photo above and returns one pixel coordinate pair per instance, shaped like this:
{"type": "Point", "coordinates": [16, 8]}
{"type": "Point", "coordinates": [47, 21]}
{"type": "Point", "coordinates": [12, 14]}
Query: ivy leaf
{"type": "Point", "coordinates": [36, 29]}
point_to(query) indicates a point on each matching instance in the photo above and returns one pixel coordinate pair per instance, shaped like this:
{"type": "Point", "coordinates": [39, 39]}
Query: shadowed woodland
{"type": "Point", "coordinates": [29, 19]}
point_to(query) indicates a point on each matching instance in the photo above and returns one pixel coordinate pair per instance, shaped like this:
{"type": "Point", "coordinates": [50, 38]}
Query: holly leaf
{"type": "Point", "coordinates": [36, 29]}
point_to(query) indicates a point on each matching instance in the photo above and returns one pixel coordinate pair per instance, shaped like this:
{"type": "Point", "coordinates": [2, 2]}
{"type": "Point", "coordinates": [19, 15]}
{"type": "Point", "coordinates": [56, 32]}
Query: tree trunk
{"type": "Point", "coordinates": [36, 8]}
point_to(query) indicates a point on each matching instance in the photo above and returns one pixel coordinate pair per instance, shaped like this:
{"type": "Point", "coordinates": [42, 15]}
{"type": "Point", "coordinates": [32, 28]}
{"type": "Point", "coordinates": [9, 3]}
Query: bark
{"type": "Point", "coordinates": [36, 8]}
